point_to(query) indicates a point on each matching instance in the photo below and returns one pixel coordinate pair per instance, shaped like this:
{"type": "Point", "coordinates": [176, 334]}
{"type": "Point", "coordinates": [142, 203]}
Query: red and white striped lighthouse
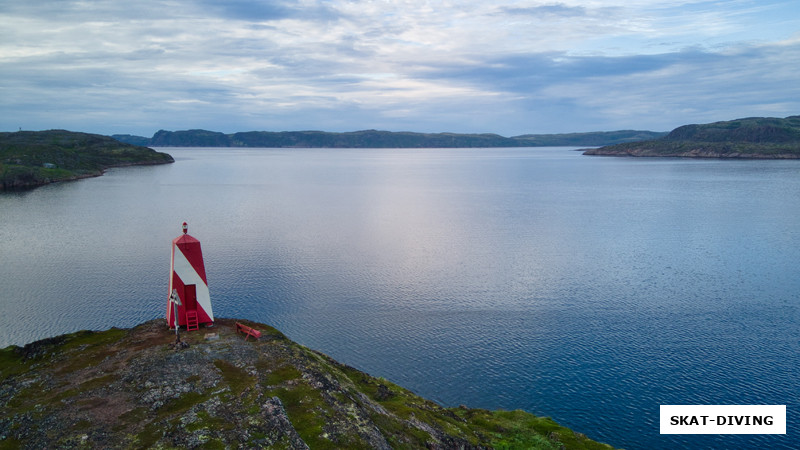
{"type": "Point", "coordinates": [187, 279]}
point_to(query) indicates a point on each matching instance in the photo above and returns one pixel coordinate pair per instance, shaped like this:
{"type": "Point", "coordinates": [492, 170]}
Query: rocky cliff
{"type": "Point", "coordinates": [133, 388]}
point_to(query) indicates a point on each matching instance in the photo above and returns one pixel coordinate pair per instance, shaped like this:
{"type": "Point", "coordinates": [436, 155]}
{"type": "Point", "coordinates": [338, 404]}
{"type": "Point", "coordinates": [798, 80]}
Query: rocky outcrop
{"type": "Point", "coordinates": [133, 388]}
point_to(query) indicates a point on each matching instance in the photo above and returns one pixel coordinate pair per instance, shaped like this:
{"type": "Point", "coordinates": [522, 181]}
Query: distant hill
{"type": "Point", "coordinates": [595, 138]}
{"type": "Point", "coordinates": [378, 139]}
{"type": "Point", "coordinates": [133, 140]}
{"type": "Point", "coordinates": [133, 388]}
{"type": "Point", "coordinates": [753, 137]}
{"type": "Point", "coordinates": [34, 158]}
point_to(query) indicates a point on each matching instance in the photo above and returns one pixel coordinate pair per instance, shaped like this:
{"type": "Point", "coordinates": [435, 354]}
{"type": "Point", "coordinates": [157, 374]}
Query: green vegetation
{"type": "Point", "coordinates": [181, 404]}
{"type": "Point", "coordinates": [133, 389]}
{"type": "Point", "coordinates": [755, 137]}
{"type": "Point", "coordinates": [589, 139]}
{"type": "Point", "coordinates": [282, 374]}
{"type": "Point", "coordinates": [496, 429]}
{"type": "Point", "coordinates": [12, 363]}
{"type": "Point", "coordinates": [235, 377]}
{"type": "Point", "coordinates": [378, 139]}
{"type": "Point", "coordinates": [307, 411]}
{"type": "Point", "coordinates": [34, 158]}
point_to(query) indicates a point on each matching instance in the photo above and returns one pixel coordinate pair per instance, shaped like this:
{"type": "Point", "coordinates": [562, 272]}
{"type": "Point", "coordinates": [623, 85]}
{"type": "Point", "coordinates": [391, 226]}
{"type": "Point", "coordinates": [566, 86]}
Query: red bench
{"type": "Point", "coordinates": [247, 331]}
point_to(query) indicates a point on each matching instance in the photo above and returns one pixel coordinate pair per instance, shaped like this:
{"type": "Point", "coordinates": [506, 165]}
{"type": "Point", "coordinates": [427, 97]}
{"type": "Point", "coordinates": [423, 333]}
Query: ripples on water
{"type": "Point", "coordinates": [591, 290]}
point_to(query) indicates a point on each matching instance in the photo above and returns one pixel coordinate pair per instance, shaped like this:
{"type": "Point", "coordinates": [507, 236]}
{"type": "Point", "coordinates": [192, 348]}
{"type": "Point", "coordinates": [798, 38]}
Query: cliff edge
{"type": "Point", "coordinates": [134, 388]}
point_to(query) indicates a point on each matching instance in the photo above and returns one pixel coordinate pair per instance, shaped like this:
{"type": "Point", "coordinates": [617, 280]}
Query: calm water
{"type": "Point", "coordinates": [588, 289]}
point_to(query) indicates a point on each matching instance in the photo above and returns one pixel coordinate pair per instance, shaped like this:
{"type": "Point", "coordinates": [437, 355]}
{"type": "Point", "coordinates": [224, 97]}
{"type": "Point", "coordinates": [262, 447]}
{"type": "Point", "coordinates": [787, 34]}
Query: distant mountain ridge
{"type": "Point", "coordinates": [751, 137]}
{"type": "Point", "coordinates": [379, 139]}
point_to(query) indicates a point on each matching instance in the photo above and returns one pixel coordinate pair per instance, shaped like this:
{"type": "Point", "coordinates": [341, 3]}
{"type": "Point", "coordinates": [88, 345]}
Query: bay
{"type": "Point", "coordinates": [588, 289]}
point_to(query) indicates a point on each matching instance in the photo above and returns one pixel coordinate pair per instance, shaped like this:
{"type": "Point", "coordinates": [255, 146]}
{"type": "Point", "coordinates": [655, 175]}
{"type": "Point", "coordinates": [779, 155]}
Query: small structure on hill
{"type": "Point", "coordinates": [187, 278]}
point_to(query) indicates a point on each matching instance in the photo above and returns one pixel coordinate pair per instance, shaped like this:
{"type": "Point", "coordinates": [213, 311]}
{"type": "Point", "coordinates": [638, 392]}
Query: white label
{"type": "Point", "coordinates": [723, 419]}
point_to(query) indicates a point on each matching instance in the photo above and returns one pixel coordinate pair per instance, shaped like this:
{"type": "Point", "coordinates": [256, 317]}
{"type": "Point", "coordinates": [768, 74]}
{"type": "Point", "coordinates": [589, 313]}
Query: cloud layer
{"type": "Point", "coordinates": [511, 67]}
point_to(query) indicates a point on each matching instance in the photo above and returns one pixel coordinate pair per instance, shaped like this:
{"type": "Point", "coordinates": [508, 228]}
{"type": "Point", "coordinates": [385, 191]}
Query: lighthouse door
{"type": "Point", "coordinates": [190, 292]}
{"type": "Point", "coordinates": [190, 297]}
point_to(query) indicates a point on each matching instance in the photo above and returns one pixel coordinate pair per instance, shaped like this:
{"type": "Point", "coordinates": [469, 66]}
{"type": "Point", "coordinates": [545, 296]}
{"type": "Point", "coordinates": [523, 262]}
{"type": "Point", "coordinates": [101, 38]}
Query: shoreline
{"type": "Point", "coordinates": [15, 185]}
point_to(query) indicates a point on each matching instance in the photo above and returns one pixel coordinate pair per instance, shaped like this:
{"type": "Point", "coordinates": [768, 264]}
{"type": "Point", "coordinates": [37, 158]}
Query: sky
{"type": "Point", "coordinates": [471, 66]}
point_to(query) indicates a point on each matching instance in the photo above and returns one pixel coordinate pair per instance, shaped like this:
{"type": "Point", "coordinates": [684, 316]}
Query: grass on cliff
{"type": "Point", "coordinates": [26, 156]}
{"type": "Point", "coordinates": [12, 363]}
{"type": "Point", "coordinates": [498, 429]}
{"type": "Point", "coordinates": [15, 360]}
{"type": "Point", "coordinates": [307, 411]}
{"type": "Point", "coordinates": [237, 379]}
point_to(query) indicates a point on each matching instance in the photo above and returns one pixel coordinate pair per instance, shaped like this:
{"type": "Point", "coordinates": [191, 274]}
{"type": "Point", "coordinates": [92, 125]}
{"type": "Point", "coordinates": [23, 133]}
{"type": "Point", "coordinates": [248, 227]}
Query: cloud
{"type": "Point", "coordinates": [511, 68]}
{"type": "Point", "coordinates": [688, 87]}
{"type": "Point", "coordinates": [246, 10]}
{"type": "Point", "coordinates": [264, 11]}
{"type": "Point", "coordinates": [547, 11]}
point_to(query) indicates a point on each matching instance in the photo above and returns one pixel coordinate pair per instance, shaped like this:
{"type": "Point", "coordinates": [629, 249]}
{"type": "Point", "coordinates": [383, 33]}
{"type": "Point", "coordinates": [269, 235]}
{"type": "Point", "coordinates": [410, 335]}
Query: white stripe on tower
{"type": "Point", "coordinates": [170, 309]}
{"type": "Point", "coordinates": [189, 275]}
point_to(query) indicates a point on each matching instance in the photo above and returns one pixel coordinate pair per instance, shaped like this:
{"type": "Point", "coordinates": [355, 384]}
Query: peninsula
{"type": "Point", "coordinates": [754, 138]}
{"type": "Point", "coordinates": [134, 388]}
{"type": "Point", "coordinates": [33, 158]}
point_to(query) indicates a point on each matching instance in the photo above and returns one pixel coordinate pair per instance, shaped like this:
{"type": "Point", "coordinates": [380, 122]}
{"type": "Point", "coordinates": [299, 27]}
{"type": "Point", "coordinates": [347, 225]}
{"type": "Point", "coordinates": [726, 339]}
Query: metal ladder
{"type": "Point", "coordinates": [191, 321]}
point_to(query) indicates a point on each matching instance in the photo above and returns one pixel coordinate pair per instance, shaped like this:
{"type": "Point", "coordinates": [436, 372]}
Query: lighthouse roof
{"type": "Point", "coordinates": [185, 239]}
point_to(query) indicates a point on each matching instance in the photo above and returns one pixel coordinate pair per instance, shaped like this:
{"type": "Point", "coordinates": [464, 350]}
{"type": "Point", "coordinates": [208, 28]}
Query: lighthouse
{"type": "Point", "coordinates": [188, 296]}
